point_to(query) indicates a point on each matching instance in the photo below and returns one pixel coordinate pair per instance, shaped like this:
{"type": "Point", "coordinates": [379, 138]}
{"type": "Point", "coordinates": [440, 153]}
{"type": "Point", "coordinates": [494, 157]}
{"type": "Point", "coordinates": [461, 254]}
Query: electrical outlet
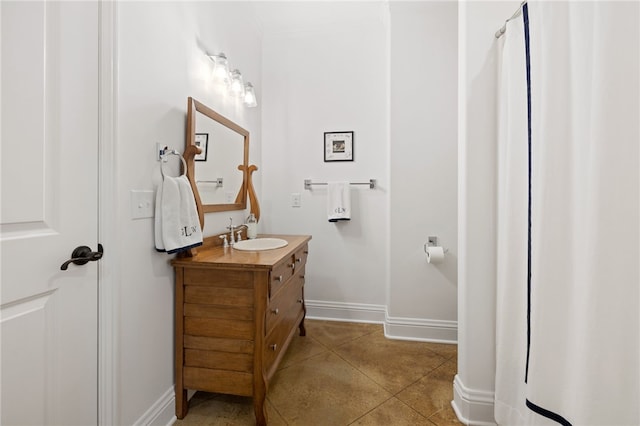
{"type": "Point", "coordinates": [142, 204]}
{"type": "Point", "coordinates": [295, 199]}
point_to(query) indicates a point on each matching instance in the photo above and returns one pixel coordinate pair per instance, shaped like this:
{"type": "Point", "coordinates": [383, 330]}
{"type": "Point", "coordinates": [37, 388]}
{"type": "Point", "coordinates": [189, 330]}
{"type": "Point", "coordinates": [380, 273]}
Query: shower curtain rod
{"type": "Point", "coordinates": [517, 13]}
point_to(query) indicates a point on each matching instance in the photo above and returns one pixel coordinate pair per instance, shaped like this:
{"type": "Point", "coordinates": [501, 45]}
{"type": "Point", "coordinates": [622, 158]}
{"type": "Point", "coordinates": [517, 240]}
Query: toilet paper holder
{"type": "Point", "coordinates": [432, 242]}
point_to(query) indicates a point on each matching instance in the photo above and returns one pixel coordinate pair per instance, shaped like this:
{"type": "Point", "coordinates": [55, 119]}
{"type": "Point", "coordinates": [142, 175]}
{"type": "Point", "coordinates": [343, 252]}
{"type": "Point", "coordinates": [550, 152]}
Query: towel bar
{"type": "Point", "coordinates": [371, 183]}
{"type": "Point", "coordinates": [218, 181]}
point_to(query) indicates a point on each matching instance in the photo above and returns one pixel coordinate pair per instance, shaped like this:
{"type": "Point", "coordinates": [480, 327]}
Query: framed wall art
{"type": "Point", "coordinates": [338, 146]}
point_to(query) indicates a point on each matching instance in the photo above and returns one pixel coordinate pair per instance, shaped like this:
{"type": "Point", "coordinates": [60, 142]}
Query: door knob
{"type": "Point", "coordinates": [82, 255]}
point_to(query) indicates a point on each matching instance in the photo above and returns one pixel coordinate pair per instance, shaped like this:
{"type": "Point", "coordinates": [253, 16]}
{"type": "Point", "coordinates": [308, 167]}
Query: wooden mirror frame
{"type": "Point", "coordinates": [240, 203]}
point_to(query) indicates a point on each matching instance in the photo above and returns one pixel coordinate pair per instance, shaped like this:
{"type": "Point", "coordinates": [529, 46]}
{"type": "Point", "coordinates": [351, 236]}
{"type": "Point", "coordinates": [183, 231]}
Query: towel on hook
{"type": "Point", "coordinates": [177, 226]}
{"type": "Point", "coordinates": [339, 201]}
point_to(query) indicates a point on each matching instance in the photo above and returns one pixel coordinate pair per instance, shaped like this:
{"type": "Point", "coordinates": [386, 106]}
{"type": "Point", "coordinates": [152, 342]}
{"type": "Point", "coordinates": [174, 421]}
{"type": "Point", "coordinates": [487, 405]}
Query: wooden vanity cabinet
{"type": "Point", "coordinates": [235, 315]}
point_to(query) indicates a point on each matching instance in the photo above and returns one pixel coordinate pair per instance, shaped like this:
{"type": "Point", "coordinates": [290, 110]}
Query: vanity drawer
{"type": "Point", "coordinates": [277, 338]}
{"type": "Point", "coordinates": [281, 303]}
{"type": "Point", "coordinates": [280, 274]}
{"type": "Point", "coordinates": [300, 256]}
{"type": "Point", "coordinates": [287, 268]}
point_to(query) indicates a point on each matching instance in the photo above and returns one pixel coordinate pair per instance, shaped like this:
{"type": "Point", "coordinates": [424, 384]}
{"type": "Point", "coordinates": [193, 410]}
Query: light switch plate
{"type": "Point", "coordinates": [295, 199]}
{"type": "Point", "coordinates": [142, 204]}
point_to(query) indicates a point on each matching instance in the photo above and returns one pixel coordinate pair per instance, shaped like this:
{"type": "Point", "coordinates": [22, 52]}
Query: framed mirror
{"type": "Point", "coordinates": [217, 156]}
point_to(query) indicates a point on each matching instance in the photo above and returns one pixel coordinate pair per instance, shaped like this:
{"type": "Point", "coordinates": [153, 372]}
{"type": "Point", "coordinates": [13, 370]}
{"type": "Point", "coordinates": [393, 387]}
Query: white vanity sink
{"type": "Point", "coordinates": [260, 244]}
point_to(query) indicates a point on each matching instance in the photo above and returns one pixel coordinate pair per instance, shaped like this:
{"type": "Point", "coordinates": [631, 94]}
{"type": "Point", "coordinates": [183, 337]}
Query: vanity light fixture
{"type": "Point", "coordinates": [250, 96]}
{"type": "Point", "coordinates": [232, 79]}
{"type": "Point", "coordinates": [236, 86]}
{"type": "Point", "coordinates": [220, 67]}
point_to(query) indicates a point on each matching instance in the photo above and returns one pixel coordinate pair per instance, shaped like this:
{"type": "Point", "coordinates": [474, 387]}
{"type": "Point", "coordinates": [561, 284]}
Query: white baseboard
{"type": "Point", "coordinates": [473, 407]}
{"type": "Point", "coordinates": [348, 312]}
{"type": "Point", "coordinates": [161, 413]}
{"type": "Point", "coordinates": [424, 330]}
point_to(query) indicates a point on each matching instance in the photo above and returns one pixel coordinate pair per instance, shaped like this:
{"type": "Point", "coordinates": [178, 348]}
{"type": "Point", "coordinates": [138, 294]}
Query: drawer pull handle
{"type": "Point", "coordinates": [306, 252]}
{"type": "Point", "coordinates": [279, 278]}
{"type": "Point", "coordinates": [274, 347]}
{"type": "Point", "coordinates": [298, 260]}
{"type": "Point", "coordinates": [300, 301]}
{"type": "Point", "coordinates": [302, 276]}
{"type": "Point", "coordinates": [275, 311]}
{"type": "Point", "coordinates": [293, 265]}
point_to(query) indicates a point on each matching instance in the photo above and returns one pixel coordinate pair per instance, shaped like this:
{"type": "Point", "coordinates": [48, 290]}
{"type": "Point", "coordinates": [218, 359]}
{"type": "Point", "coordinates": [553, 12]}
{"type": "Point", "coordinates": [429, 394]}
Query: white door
{"type": "Point", "coordinates": [48, 206]}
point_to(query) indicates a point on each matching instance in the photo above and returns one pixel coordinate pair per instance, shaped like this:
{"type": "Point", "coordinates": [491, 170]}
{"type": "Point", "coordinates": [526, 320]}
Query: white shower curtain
{"type": "Point", "coordinates": [568, 298]}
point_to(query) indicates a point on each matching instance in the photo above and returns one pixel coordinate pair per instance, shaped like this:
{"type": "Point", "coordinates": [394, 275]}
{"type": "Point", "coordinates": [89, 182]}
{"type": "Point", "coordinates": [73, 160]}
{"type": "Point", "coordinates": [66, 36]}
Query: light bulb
{"type": "Point", "coordinates": [236, 86]}
{"type": "Point", "coordinates": [250, 96]}
{"type": "Point", "coordinates": [220, 68]}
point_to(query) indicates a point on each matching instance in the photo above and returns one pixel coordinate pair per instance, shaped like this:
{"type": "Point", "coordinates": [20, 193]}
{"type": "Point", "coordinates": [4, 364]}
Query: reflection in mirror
{"type": "Point", "coordinates": [217, 156]}
{"type": "Point", "coordinates": [216, 168]}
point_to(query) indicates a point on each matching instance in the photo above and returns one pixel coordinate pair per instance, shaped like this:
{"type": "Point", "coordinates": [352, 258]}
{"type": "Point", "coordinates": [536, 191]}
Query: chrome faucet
{"type": "Point", "coordinates": [231, 228]}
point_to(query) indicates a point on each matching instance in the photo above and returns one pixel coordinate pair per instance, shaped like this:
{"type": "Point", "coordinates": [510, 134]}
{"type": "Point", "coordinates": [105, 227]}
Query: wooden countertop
{"type": "Point", "coordinates": [214, 257]}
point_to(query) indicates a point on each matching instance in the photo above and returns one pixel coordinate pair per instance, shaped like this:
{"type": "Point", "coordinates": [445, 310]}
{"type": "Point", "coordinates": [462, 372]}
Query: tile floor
{"type": "Point", "coordinates": [346, 374]}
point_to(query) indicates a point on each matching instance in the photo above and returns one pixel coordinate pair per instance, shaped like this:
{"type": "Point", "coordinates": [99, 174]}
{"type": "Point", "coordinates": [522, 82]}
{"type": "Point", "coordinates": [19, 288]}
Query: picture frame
{"type": "Point", "coordinates": [338, 146]}
{"type": "Point", "coordinates": [202, 142]}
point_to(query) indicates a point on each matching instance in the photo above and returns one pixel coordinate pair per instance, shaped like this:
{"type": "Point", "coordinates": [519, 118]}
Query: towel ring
{"type": "Point", "coordinates": [165, 158]}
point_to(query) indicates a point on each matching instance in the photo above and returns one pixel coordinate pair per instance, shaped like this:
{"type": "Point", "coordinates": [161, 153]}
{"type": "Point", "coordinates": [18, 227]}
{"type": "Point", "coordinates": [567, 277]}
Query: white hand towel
{"type": "Point", "coordinates": [339, 201]}
{"type": "Point", "coordinates": [158, 220]}
{"type": "Point", "coordinates": [178, 227]}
